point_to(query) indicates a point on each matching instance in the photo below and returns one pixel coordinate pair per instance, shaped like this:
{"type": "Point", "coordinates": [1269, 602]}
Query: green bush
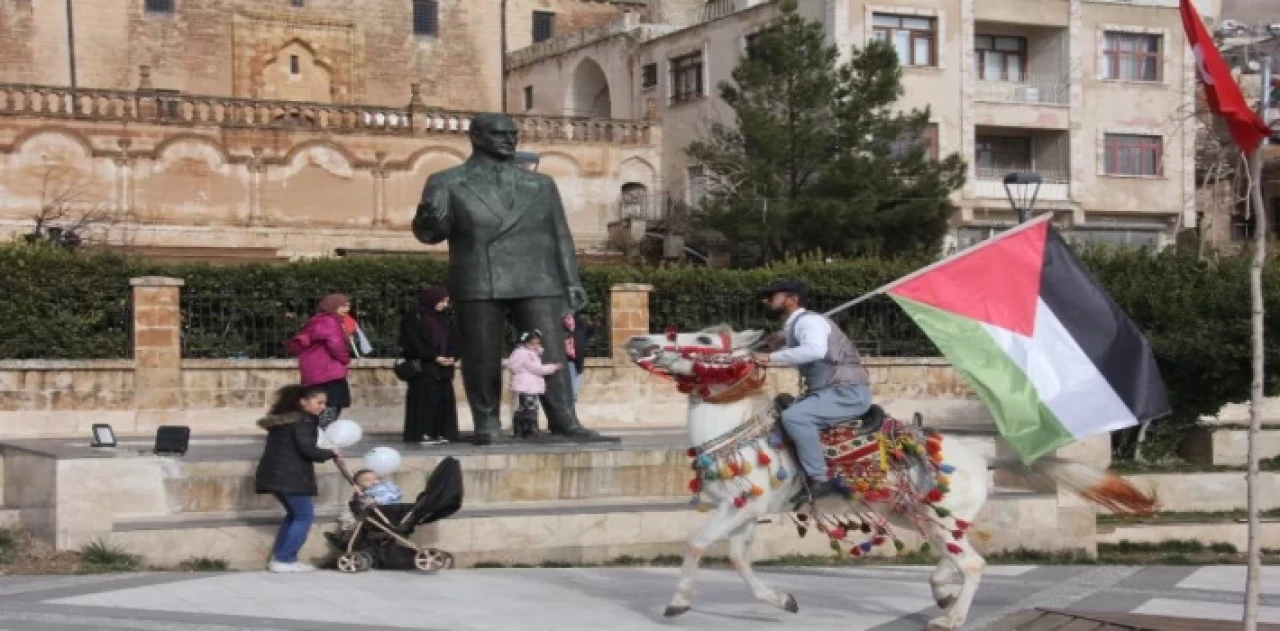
{"type": "Point", "coordinates": [63, 305]}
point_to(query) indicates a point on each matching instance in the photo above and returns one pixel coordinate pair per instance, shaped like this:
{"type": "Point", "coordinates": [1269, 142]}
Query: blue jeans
{"type": "Point", "coordinates": [576, 377]}
{"type": "Point", "coordinates": [299, 512]}
{"type": "Point", "coordinates": [816, 411]}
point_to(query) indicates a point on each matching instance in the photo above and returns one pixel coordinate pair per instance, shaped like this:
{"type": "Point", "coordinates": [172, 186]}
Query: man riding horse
{"type": "Point", "coordinates": [836, 384]}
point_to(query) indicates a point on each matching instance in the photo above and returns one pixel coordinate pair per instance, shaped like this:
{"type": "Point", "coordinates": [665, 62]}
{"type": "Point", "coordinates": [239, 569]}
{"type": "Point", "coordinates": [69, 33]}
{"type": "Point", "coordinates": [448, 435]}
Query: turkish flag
{"type": "Point", "coordinates": [1220, 89]}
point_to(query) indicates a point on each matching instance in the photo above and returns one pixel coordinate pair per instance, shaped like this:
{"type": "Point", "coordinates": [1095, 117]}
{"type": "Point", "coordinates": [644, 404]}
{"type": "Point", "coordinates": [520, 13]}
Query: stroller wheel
{"type": "Point", "coordinates": [347, 564]}
{"type": "Point", "coordinates": [364, 560]}
{"type": "Point", "coordinates": [432, 560]}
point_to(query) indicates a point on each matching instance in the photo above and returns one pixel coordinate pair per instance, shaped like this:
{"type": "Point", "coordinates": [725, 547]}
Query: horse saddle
{"type": "Point", "coordinates": [869, 422]}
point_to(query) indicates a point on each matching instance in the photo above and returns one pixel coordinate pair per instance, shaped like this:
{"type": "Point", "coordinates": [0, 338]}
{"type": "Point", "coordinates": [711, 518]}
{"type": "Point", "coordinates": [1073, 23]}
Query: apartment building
{"type": "Point", "coordinates": [1093, 95]}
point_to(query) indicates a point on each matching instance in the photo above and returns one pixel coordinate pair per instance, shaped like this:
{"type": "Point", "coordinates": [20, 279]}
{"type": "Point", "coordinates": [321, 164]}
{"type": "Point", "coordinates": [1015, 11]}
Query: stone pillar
{"type": "Point", "coordinates": [157, 350]}
{"type": "Point", "coordinates": [628, 316]}
{"type": "Point", "coordinates": [417, 109]}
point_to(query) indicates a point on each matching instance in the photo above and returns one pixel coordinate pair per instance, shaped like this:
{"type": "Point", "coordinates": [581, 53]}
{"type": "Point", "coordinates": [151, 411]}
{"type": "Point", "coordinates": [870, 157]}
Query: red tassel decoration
{"type": "Point", "coordinates": [954, 549]}
{"type": "Point", "coordinates": [764, 459]}
{"type": "Point", "coordinates": [855, 552]}
{"type": "Point", "coordinates": [878, 541]}
{"type": "Point", "coordinates": [934, 496]}
{"type": "Point", "coordinates": [957, 534]}
{"type": "Point", "coordinates": [734, 468]}
{"type": "Point", "coordinates": [837, 533]}
{"type": "Point", "coordinates": [692, 452]}
{"type": "Point", "coordinates": [739, 502]}
{"type": "Point", "coordinates": [962, 524]}
{"type": "Point", "coordinates": [695, 485]}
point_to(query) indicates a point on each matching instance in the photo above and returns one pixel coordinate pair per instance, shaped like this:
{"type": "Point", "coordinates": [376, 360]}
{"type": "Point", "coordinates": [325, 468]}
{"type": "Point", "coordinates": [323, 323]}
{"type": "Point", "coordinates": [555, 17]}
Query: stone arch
{"type": "Point", "coordinates": [346, 169]}
{"type": "Point", "coordinates": [559, 164]}
{"type": "Point", "coordinates": [314, 81]}
{"type": "Point", "coordinates": [66, 134]}
{"type": "Point", "coordinates": [411, 163]}
{"type": "Point", "coordinates": [179, 139]}
{"type": "Point", "coordinates": [588, 93]}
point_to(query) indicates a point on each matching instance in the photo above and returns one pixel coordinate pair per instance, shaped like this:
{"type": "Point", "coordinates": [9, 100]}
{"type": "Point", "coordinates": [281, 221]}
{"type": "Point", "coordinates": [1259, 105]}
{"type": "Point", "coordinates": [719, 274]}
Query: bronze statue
{"type": "Point", "coordinates": [510, 255]}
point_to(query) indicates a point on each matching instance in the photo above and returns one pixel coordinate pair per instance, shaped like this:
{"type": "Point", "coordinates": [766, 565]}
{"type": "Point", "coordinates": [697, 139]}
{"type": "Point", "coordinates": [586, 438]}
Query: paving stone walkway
{"type": "Point", "coordinates": [614, 599]}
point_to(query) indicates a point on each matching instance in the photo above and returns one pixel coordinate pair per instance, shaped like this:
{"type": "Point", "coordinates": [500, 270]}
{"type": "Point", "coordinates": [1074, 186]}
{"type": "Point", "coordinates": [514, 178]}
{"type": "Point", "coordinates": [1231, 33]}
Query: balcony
{"type": "Point", "coordinates": [1001, 151]}
{"type": "Point", "coordinates": [1029, 89]}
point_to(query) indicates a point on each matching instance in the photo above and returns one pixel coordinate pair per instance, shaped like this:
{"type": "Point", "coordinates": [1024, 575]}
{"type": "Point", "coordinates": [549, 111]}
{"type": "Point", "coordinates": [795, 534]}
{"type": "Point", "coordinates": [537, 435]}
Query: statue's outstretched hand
{"type": "Point", "coordinates": [577, 298]}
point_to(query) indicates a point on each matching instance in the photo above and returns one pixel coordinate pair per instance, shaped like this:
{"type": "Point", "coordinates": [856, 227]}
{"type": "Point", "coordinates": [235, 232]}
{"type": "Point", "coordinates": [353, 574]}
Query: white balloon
{"type": "Point", "coordinates": [383, 461]}
{"type": "Point", "coordinates": [343, 433]}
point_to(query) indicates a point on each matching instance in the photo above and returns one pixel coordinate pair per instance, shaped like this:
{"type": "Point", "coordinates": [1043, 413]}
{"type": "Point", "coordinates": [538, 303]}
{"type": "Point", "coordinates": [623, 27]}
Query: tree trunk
{"type": "Point", "coordinates": [1254, 582]}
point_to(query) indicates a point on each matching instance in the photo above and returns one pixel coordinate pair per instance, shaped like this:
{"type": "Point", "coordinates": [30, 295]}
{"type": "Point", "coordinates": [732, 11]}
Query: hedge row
{"type": "Point", "coordinates": [61, 305]}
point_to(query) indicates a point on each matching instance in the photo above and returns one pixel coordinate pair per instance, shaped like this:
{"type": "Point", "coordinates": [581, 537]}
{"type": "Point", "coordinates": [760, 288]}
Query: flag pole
{"type": "Point", "coordinates": [925, 270]}
{"type": "Point", "coordinates": [1253, 581]}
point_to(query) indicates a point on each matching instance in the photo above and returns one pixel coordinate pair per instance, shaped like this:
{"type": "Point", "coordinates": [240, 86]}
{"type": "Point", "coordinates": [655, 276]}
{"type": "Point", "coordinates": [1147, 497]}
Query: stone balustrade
{"type": "Point", "coordinates": [160, 107]}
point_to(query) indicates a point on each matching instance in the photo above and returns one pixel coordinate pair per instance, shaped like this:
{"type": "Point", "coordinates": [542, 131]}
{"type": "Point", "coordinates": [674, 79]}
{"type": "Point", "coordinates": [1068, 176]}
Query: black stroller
{"type": "Point", "coordinates": [380, 537]}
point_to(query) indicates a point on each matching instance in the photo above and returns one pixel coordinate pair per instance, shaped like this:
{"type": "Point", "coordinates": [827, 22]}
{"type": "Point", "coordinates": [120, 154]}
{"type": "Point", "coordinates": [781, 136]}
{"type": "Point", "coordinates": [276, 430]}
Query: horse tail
{"type": "Point", "coordinates": [1104, 489]}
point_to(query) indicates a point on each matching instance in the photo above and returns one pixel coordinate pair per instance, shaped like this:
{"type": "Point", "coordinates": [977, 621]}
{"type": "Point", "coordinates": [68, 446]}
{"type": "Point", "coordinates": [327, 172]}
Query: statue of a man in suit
{"type": "Point", "coordinates": [510, 255]}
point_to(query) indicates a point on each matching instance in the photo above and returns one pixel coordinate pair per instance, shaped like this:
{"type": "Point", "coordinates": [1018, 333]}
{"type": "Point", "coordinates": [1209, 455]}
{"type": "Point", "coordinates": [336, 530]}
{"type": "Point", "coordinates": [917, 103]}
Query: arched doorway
{"type": "Point", "coordinates": [633, 202]}
{"type": "Point", "coordinates": [589, 92]}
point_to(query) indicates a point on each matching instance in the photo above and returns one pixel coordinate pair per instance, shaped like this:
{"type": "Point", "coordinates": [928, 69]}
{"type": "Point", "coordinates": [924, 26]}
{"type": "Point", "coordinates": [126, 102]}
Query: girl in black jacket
{"type": "Point", "coordinates": [287, 468]}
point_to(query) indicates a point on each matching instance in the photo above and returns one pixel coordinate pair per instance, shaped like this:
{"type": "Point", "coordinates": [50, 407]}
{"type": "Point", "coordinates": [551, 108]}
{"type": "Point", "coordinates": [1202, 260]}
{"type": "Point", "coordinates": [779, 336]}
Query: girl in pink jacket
{"type": "Point", "coordinates": [527, 381]}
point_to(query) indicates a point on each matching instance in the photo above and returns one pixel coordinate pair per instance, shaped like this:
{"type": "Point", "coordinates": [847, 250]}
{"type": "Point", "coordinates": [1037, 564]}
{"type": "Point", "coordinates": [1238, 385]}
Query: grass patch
{"type": "Point", "coordinates": [100, 557]}
{"type": "Point", "coordinates": [1176, 552]}
{"type": "Point", "coordinates": [1129, 467]}
{"type": "Point", "coordinates": [203, 564]}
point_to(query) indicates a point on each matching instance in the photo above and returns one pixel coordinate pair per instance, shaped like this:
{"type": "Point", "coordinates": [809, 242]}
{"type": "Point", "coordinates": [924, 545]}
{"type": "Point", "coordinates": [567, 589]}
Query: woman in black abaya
{"type": "Point", "coordinates": [427, 334]}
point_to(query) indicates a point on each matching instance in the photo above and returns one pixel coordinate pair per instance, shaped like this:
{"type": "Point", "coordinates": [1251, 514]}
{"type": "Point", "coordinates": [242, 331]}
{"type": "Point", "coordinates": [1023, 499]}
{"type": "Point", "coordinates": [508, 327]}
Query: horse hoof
{"type": "Point", "coordinates": [791, 604]}
{"type": "Point", "coordinates": [945, 602]}
{"type": "Point", "coordinates": [939, 624]}
{"type": "Point", "coordinates": [673, 611]}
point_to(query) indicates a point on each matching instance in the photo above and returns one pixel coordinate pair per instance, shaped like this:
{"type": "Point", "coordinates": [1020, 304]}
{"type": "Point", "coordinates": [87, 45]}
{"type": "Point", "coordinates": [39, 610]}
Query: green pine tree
{"type": "Point", "coordinates": [815, 161]}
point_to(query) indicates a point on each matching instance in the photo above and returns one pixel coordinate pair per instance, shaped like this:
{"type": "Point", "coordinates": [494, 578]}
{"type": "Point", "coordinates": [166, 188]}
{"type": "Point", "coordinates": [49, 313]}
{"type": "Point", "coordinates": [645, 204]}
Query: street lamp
{"type": "Point", "coordinates": [1022, 189]}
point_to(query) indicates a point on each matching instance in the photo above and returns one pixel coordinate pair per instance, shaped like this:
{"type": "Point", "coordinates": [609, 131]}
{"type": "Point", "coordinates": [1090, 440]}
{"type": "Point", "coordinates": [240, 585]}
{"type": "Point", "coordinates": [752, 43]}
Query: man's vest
{"type": "Point", "coordinates": [842, 365]}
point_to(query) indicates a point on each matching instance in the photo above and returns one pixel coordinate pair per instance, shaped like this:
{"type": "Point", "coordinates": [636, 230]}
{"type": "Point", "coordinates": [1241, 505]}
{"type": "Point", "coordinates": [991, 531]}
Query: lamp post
{"type": "Point", "coordinates": [1022, 189]}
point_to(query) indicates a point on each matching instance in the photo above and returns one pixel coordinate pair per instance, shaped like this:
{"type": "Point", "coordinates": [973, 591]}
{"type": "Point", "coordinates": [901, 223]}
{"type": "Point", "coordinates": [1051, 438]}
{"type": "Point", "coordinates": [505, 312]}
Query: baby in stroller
{"type": "Point", "coordinates": [380, 535]}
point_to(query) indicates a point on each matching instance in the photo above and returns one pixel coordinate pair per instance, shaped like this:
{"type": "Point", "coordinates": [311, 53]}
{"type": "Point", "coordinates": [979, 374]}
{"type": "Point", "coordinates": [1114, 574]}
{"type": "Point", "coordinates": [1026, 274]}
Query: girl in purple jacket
{"type": "Point", "coordinates": [528, 382]}
{"type": "Point", "coordinates": [323, 354]}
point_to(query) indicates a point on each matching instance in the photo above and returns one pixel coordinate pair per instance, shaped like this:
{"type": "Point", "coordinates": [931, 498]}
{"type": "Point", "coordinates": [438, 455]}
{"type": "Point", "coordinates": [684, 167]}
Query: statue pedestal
{"type": "Point", "coordinates": [541, 438]}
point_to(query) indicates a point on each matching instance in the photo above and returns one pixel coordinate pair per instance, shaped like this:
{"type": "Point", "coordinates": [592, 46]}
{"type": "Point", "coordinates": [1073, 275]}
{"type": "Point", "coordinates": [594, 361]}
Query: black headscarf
{"type": "Point", "coordinates": [435, 321]}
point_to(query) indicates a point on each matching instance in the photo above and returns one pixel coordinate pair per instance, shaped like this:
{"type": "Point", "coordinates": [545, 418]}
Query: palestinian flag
{"type": "Point", "coordinates": [1037, 338]}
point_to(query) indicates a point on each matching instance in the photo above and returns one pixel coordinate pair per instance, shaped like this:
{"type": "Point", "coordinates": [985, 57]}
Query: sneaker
{"type": "Point", "coordinates": [304, 567]}
{"type": "Point", "coordinates": [280, 567]}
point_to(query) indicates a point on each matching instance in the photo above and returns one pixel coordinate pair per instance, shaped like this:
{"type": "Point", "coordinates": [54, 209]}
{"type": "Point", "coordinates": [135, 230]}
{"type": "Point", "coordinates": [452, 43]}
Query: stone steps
{"type": "Point", "coordinates": [1235, 533]}
{"type": "Point", "coordinates": [576, 531]}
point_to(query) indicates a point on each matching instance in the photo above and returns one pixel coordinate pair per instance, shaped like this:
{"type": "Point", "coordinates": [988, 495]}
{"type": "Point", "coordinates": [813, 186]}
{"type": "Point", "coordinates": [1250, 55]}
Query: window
{"type": "Point", "coordinates": [1000, 58]}
{"type": "Point", "coordinates": [928, 138]}
{"type": "Point", "coordinates": [686, 78]}
{"type": "Point", "coordinates": [295, 66]}
{"type": "Point", "coordinates": [697, 177]}
{"type": "Point", "coordinates": [998, 156]}
{"type": "Point", "coordinates": [159, 6]}
{"type": "Point", "coordinates": [425, 18]}
{"type": "Point", "coordinates": [1134, 155]}
{"type": "Point", "coordinates": [528, 98]}
{"type": "Point", "coordinates": [544, 26]}
{"type": "Point", "coordinates": [1131, 57]}
{"type": "Point", "coordinates": [649, 76]}
{"type": "Point", "coordinates": [296, 3]}
{"type": "Point", "coordinates": [749, 44]}
{"type": "Point", "coordinates": [912, 37]}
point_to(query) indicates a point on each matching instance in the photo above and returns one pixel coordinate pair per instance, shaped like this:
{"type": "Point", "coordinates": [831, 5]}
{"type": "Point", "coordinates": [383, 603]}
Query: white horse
{"type": "Point", "coordinates": [731, 420]}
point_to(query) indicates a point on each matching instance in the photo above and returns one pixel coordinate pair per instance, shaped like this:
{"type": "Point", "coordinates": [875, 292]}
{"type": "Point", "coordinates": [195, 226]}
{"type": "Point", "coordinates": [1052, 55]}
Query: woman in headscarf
{"type": "Point", "coordinates": [323, 354]}
{"type": "Point", "coordinates": [428, 335]}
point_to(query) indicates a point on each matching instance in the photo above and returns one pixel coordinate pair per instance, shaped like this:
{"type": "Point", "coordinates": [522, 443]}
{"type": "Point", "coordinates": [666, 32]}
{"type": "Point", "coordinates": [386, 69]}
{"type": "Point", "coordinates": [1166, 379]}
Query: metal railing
{"type": "Point", "coordinates": [220, 324]}
{"type": "Point", "coordinates": [878, 327]}
{"type": "Point", "coordinates": [1031, 89]}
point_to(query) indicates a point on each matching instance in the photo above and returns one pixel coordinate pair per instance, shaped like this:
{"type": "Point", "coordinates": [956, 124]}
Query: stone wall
{"type": "Point", "coordinates": [225, 396]}
{"type": "Point", "coordinates": [298, 179]}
